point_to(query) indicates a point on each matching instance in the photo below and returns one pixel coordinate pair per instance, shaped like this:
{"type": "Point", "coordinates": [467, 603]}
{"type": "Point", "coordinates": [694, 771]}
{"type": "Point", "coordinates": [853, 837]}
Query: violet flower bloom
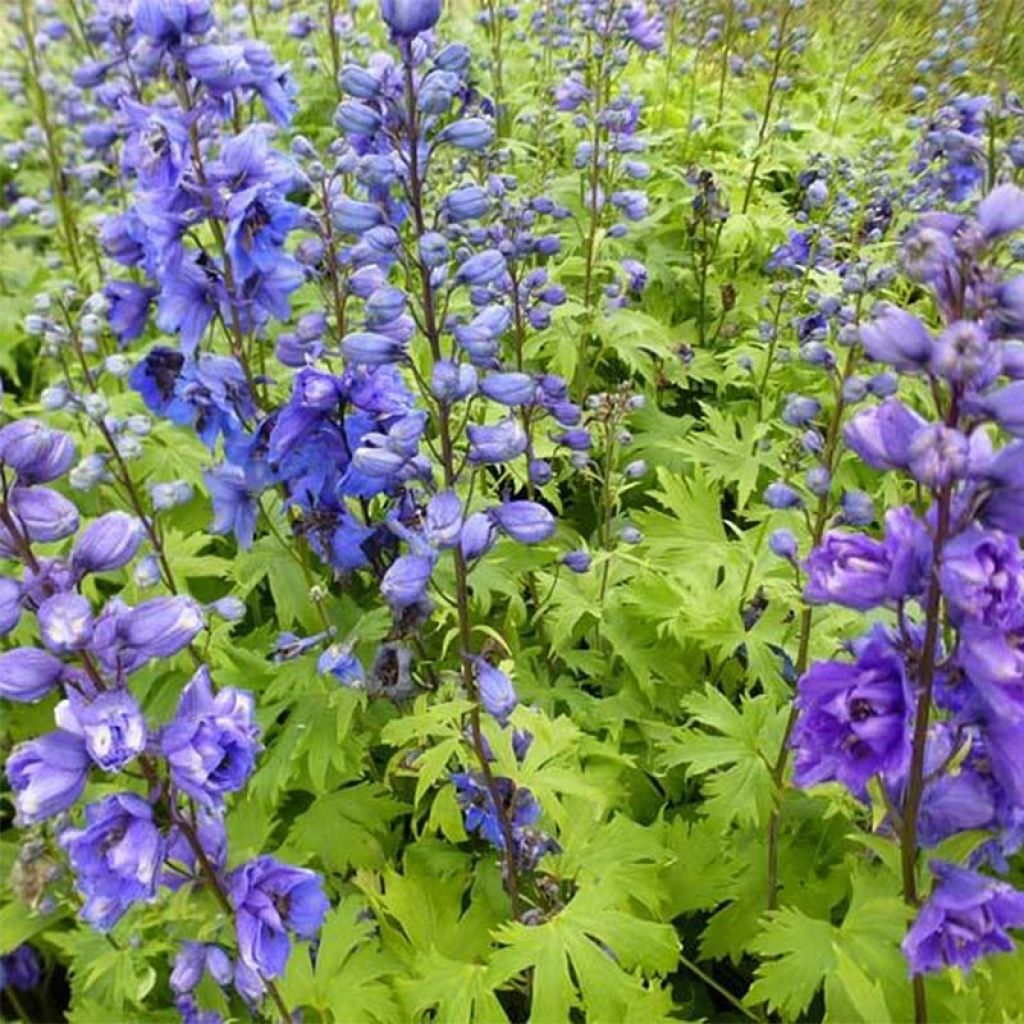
{"type": "Point", "coordinates": [47, 775]}
{"type": "Point", "coordinates": [855, 571]}
{"type": "Point", "coordinates": [211, 743]}
{"type": "Point", "coordinates": [116, 857]}
{"type": "Point", "coordinates": [982, 576]}
{"type": "Point", "coordinates": [271, 898]}
{"type": "Point", "coordinates": [1003, 484]}
{"type": "Point", "coordinates": [898, 338]}
{"type": "Point", "coordinates": [235, 507]}
{"type": "Point", "coordinates": [882, 435]}
{"type": "Point", "coordinates": [110, 723]}
{"type": "Point", "coordinates": [938, 455]}
{"type": "Point", "coordinates": [965, 918]}
{"type": "Point", "coordinates": [854, 718]}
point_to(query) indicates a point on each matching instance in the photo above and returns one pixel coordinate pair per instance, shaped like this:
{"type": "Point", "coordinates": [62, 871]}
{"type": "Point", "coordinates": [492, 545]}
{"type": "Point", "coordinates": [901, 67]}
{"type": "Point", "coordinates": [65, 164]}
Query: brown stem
{"type": "Point", "coordinates": [776, 70]}
{"type": "Point", "coordinates": [448, 464]}
{"type": "Point", "coordinates": [806, 621]}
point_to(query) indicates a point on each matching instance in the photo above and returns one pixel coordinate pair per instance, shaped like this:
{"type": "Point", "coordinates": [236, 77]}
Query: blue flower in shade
{"type": "Point", "coordinates": [116, 857]}
{"type": "Point", "coordinates": [211, 743]}
{"type": "Point", "coordinates": [127, 308]}
{"type": "Point", "coordinates": [210, 393]}
{"type": "Point", "coordinates": [271, 899]}
{"type": "Point", "coordinates": [339, 661]}
{"type": "Point", "coordinates": [235, 506]}
{"type": "Point", "coordinates": [20, 969]}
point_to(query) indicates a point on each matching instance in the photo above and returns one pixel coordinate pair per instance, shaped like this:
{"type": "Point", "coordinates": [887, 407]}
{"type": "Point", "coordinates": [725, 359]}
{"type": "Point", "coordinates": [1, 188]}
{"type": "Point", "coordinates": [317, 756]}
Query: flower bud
{"type": "Point", "coordinates": [577, 561]}
{"type": "Point", "coordinates": [528, 522]}
{"type": "Point", "coordinates": [478, 534]}
{"type": "Point", "coordinates": [783, 544]}
{"type": "Point", "coordinates": [355, 118]}
{"type": "Point", "coordinates": [408, 18]}
{"type": "Point", "coordinates": [44, 514]}
{"type": "Point", "coordinates": [467, 203]}
{"type": "Point", "coordinates": [498, 443]}
{"type": "Point", "coordinates": [443, 520]}
{"type": "Point", "coordinates": [384, 305]}
{"type": "Point", "coordinates": [495, 690]}
{"type": "Point", "coordinates": [472, 133]}
{"type": "Point", "coordinates": [65, 622]}
{"type": "Point", "coordinates": [405, 582]}
{"type": "Point", "coordinates": [229, 608]}
{"type": "Point", "coordinates": [28, 674]}
{"type": "Point", "coordinates": [451, 382]}
{"type": "Point", "coordinates": [780, 495]}
{"type": "Point", "coordinates": [108, 543]}
{"type": "Point", "coordinates": [358, 82]}
{"type": "Point", "coordinates": [510, 388]}
{"type": "Point", "coordinates": [433, 249]}
{"type": "Point", "coordinates": [857, 508]}
{"type": "Point", "coordinates": [899, 338]}
{"type": "Point", "coordinates": [540, 472]}
{"type": "Point", "coordinates": [35, 451]}
{"type": "Point", "coordinates": [484, 268]}
{"type": "Point", "coordinates": [372, 349]}
{"type": "Point", "coordinates": [10, 604]}
{"type": "Point", "coordinates": [161, 626]}
{"type": "Point", "coordinates": [354, 217]}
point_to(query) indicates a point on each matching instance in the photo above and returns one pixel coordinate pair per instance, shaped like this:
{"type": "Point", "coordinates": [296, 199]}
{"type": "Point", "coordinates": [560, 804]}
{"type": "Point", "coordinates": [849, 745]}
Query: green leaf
{"type": "Point", "coordinates": [593, 956]}
{"type": "Point", "coordinates": [801, 951]}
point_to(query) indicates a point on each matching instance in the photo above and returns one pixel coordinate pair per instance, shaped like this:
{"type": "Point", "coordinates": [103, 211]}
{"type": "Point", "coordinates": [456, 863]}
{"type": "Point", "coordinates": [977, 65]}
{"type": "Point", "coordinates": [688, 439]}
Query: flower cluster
{"type": "Point", "coordinates": [929, 703]}
{"type": "Point", "coordinates": [171, 833]}
{"type": "Point", "coordinates": [211, 210]}
{"type": "Point", "coordinates": [608, 117]}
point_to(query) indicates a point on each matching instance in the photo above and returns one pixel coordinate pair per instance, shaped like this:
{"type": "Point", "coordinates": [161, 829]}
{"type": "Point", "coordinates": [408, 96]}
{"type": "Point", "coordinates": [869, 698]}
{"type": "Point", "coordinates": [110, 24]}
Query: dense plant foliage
{"type": "Point", "coordinates": [512, 512]}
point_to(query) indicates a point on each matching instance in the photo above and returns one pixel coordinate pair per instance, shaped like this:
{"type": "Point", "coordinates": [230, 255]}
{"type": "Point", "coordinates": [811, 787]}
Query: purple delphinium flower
{"type": "Point", "coordinates": [982, 577]}
{"type": "Point", "coordinates": [116, 857]}
{"type": "Point", "coordinates": [271, 899]}
{"type": "Point", "coordinates": [965, 918]}
{"type": "Point", "coordinates": [853, 717]}
{"type": "Point", "coordinates": [20, 969]}
{"type": "Point", "coordinates": [858, 572]}
{"type": "Point", "coordinates": [211, 743]}
{"type": "Point", "coordinates": [47, 774]}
